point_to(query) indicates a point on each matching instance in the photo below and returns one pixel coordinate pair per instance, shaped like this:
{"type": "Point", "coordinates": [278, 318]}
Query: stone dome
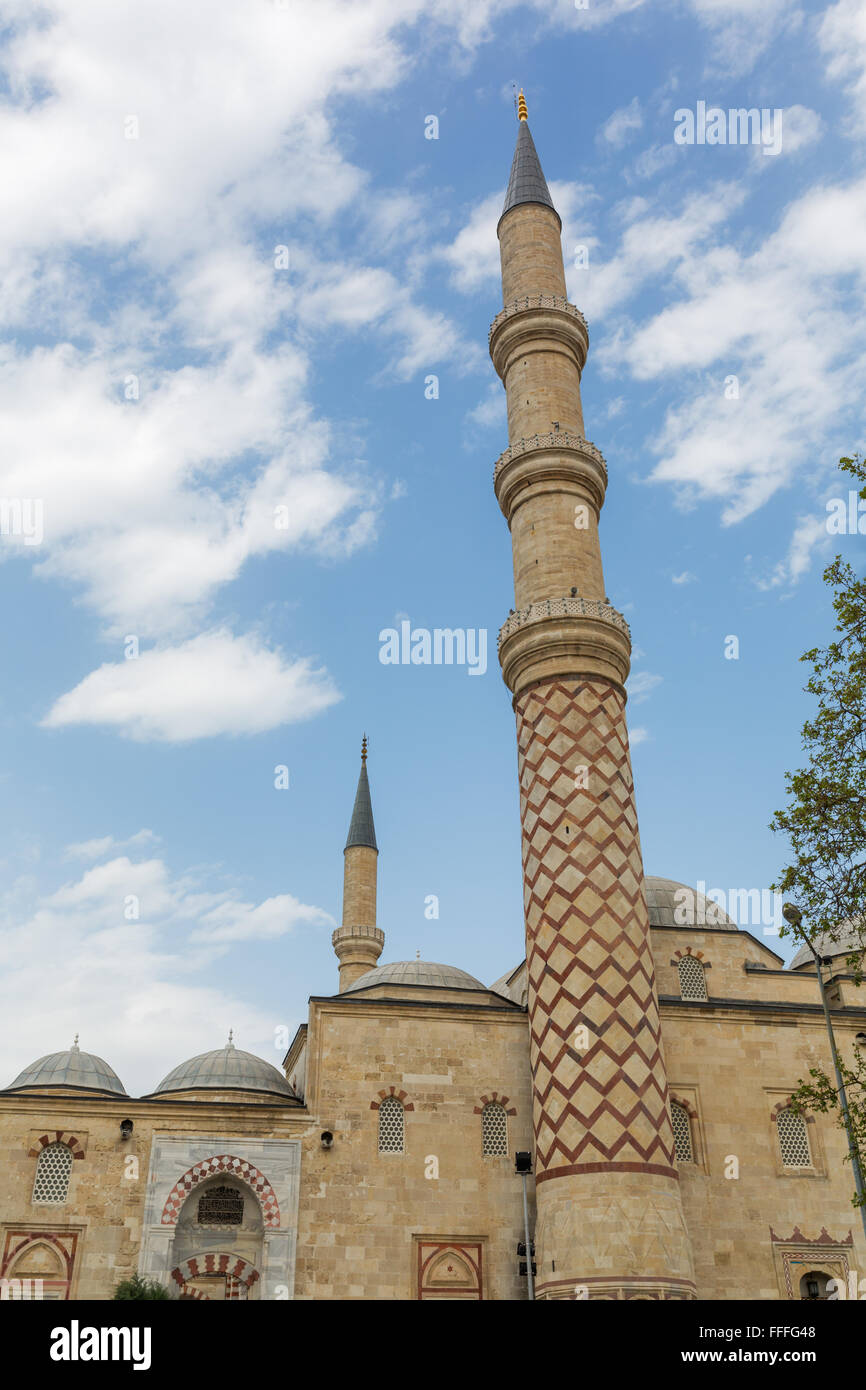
{"type": "Point", "coordinates": [417, 972]}
{"type": "Point", "coordinates": [225, 1069]}
{"type": "Point", "coordinates": [70, 1068]}
{"type": "Point", "coordinates": [669, 907]}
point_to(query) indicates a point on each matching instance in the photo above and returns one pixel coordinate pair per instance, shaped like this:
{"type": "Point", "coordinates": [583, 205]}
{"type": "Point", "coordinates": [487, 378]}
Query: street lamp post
{"type": "Point", "coordinates": [794, 916]}
{"type": "Point", "coordinates": [523, 1166]}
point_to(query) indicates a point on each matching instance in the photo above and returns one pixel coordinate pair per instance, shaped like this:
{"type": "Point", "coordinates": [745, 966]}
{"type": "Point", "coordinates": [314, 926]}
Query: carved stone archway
{"type": "Point", "coordinates": [239, 1275]}
{"type": "Point", "coordinates": [234, 1167]}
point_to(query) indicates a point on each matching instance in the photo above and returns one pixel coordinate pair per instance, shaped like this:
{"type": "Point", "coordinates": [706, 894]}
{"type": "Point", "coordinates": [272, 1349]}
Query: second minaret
{"type": "Point", "coordinates": [358, 942]}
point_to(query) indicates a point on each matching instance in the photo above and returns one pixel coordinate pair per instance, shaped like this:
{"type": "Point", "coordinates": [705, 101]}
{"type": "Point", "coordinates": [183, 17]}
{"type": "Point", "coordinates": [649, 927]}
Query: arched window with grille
{"type": "Point", "coordinates": [682, 1126]}
{"type": "Point", "coordinates": [494, 1128]}
{"type": "Point", "coordinates": [391, 1126]}
{"type": "Point", "coordinates": [793, 1140]}
{"type": "Point", "coordinates": [693, 983]}
{"type": "Point", "coordinates": [53, 1169]}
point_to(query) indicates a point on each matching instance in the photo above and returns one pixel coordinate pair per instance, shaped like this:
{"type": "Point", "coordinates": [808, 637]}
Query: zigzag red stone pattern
{"type": "Point", "coordinates": [392, 1091]}
{"type": "Point", "coordinates": [237, 1273]}
{"type": "Point", "coordinates": [600, 1097]}
{"type": "Point", "coordinates": [223, 1163]}
{"type": "Point", "coordinates": [57, 1136]}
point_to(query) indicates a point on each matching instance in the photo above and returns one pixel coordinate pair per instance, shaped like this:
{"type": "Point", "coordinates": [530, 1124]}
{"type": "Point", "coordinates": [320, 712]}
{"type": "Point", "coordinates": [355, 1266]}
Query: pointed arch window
{"type": "Point", "coordinates": [494, 1129]}
{"type": "Point", "coordinates": [53, 1170]}
{"type": "Point", "coordinates": [391, 1126]}
{"type": "Point", "coordinates": [693, 981]}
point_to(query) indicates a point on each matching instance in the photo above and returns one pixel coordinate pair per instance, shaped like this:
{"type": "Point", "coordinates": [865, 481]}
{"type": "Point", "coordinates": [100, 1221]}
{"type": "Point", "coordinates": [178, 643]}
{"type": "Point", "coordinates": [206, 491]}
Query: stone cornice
{"type": "Point", "coordinates": [353, 1003]}
{"type": "Point", "coordinates": [546, 322]}
{"type": "Point", "coordinates": [760, 1007]}
{"type": "Point", "coordinates": [549, 462]}
{"type": "Point", "coordinates": [143, 1106]}
{"type": "Point", "coordinates": [564, 639]}
{"type": "Point", "coordinates": [555, 439]}
{"type": "Point", "coordinates": [374, 934]}
{"type": "Point", "coordinates": [556, 302]}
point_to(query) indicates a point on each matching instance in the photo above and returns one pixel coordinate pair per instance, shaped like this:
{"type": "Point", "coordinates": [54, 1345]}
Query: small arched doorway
{"type": "Point", "coordinates": [813, 1286]}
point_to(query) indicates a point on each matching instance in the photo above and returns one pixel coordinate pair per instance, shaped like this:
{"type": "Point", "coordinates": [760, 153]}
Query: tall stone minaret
{"type": "Point", "coordinates": [358, 942]}
{"type": "Point", "coordinates": [610, 1220]}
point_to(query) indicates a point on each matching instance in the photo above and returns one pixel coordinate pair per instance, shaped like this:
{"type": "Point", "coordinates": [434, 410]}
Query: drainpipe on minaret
{"type": "Point", "coordinates": [358, 942]}
{"type": "Point", "coordinates": [609, 1215]}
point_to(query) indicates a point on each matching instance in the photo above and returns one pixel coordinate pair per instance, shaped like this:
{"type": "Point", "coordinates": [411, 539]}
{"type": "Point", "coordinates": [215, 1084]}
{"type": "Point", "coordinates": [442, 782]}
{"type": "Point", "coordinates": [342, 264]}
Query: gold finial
{"type": "Point", "coordinates": [364, 749]}
{"type": "Point", "coordinates": [417, 955]}
{"type": "Point", "coordinates": [522, 113]}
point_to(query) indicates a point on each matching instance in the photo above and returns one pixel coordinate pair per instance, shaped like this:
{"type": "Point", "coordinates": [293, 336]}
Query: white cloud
{"type": "Point", "coordinates": [842, 37]}
{"type": "Point", "coordinates": [473, 255]}
{"type": "Point", "coordinates": [213, 684]}
{"type": "Point", "coordinates": [636, 736]}
{"type": "Point", "coordinates": [810, 534]}
{"type": "Point", "coordinates": [132, 988]}
{"type": "Point", "coordinates": [95, 849]}
{"type": "Point", "coordinates": [651, 243]}
{"type": "Point", "coordinates": [241, 921]}
{"type": "Point", "coordinates": [641, 685]}
{"type": "Point", "coordinates": [157, 399]}
{"type": "Point", "coordinates": [743, 29]}
{"type": "Point", "coordinates": [653, 160]}
{"type": "Point", "coordinates": [490, 411]}
{"type": "Point", "coordinates": [800, 127]}
{"type": "Point", "coordinates": [619, 127]}
{"type": "Point", "coordinates": [685, 578]}
{"type": "Point", "coordinates": [762, 349]}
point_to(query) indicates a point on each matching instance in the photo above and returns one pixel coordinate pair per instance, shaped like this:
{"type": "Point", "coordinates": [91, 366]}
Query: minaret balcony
{"type": "Point", "coordinates": [533, 317]}
{"type": "Point", "coordinates": [553, 462]}
{"type": "Point", "coordinates": [353, 935]}
{"type": "Point", "coordinates": [564, 638]}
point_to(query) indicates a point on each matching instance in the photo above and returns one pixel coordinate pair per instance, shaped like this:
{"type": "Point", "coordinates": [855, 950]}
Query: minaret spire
{"type": "Point", "coordinates": [609, 1214]}
{"type": "Point", "coordinates": [358, 942]}
{"type": "Point", "coordinates": [361, 828]}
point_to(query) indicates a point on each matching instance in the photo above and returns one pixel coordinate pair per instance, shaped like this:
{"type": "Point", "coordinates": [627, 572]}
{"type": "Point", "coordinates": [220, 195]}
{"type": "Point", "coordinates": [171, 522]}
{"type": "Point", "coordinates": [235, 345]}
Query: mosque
{"type": "Point", "coordinates": [641, 1052]}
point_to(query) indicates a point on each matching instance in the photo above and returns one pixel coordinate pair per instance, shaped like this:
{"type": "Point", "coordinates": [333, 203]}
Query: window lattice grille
{"type": "Point", "coordinates": [390, 1126]}
{"type": "Point", "coordinates": [494, 1129]}
{"type": "Point", "coordinates": [693, 984]}
{"type": "Point", "coordinates": [682, 1134]}
{"type": "Point", "coordinates": [52, 1174]}
{"type": "Point", "coordinates": [793, 1140]}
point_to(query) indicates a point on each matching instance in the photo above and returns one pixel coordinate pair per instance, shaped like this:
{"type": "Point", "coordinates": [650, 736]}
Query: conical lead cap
{"type": "Point", "coordinates": [361, 828]}
{"type": "Point", "coordinates": [527, 183]}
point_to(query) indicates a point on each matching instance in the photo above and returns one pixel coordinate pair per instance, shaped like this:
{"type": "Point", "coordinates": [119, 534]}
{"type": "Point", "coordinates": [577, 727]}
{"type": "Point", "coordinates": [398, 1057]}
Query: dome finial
{"type": "Point", "coordinates": [417, 955]}
{"type": "Point", "coordinates": [75, 1047]}
{"type": "Point", "coordinates": [522, 113]}
{"type": "Point", "coordinates": [231, 1035]}
{"type": "Point", "coordinates": [364, 749]}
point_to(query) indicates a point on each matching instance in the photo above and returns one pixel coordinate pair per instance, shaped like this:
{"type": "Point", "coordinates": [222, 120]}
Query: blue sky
{"type": "Point", "coordinates": [165, 385]}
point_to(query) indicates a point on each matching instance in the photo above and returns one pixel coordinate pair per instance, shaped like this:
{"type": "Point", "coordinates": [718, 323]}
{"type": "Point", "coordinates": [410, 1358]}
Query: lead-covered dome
{"type": "Point", "coordinates": [417, 972]}
{"type": "Point", "coordinates": [225, 1069]}
{"type": "Point", "coordinates": [73, 1067]}
{"type": "Point", "coordinates": [673, 904]}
